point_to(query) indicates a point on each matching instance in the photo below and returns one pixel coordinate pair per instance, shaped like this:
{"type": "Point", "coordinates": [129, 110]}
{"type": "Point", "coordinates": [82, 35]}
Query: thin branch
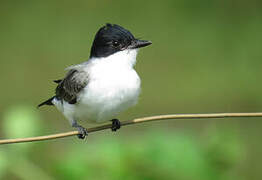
{"type": "Point", "coordinates": [134, 121]}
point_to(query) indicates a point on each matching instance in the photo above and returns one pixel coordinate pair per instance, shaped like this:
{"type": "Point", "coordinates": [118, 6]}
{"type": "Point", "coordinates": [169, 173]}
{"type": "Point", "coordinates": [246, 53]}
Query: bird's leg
{"type": "Point", "coordinates": [116, 124]}
{"type": "Point", "coordinates": [83, 131]}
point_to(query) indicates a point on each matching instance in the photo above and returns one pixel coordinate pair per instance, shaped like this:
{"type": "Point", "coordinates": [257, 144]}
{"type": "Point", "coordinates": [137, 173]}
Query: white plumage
{"type": "Point", "coordinates": [113, 86]}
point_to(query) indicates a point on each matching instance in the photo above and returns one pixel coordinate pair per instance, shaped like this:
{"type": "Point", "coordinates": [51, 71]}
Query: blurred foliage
{"type": "Point", "coordinates": [149, 157]}
{"type": "Point", "coordinates": [21, 121]}
{"type": "Point", "coordinates": [161, 155]}
{"type": "Point", "coordinates": [205, 57]}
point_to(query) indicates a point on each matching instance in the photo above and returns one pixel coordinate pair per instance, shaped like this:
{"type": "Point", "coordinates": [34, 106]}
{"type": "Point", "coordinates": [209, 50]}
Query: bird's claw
{"type": "Point", "coordinates": [82, 132]}
{"type": "Point", "coordinates": [116, 124]}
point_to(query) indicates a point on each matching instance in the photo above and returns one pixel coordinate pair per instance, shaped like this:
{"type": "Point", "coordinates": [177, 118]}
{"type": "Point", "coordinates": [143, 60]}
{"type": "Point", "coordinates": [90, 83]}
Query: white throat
{"type": "Point", "coordinates": [126, 58]}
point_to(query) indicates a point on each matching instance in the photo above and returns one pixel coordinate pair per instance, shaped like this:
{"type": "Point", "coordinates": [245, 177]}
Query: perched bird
{"type": "Point", "coordinates": [99, 89]}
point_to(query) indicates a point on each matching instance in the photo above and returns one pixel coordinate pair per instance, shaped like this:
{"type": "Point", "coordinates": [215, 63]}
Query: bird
{"type": "Point", "coordinates": [98, 89]}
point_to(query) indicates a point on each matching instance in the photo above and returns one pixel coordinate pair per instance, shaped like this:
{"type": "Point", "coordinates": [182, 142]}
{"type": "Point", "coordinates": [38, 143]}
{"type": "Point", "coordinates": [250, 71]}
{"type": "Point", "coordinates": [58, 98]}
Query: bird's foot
{"type": "Point", "coordinates": [116, 124]}
{"type": "Point", "coordinates": [82, 131]}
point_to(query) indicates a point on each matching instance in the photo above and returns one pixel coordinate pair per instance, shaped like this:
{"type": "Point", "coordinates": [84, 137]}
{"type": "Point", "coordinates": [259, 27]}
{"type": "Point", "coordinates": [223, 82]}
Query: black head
{"type": "Point", "coordinates": [113, 38]}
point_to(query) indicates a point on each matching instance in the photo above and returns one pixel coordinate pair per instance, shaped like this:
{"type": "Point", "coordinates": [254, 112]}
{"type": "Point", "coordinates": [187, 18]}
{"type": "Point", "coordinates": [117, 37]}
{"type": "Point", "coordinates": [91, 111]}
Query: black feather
{"type": "Point", "coordinates": [58, 81]}
{"type": "Point", "coordinates": [47, 102]}
{"type": "Point", "coordinates": [110, 39]}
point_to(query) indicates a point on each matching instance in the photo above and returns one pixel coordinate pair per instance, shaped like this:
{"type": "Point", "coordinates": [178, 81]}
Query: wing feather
{"type": "Point", "coordinates": [68, 88]}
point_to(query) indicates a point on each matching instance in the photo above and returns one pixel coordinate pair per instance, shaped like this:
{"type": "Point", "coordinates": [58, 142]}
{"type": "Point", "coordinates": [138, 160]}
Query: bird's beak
{"type": "Point", "coordinates": [139, 43]}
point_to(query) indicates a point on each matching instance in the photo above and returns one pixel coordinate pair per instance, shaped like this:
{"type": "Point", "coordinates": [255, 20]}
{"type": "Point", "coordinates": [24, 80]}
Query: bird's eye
{"type": "Point", "coordinates": [115, 44]}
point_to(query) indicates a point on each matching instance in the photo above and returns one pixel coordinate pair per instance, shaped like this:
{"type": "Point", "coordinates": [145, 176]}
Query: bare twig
{"type": "Point", "coordinates": [134, 121]}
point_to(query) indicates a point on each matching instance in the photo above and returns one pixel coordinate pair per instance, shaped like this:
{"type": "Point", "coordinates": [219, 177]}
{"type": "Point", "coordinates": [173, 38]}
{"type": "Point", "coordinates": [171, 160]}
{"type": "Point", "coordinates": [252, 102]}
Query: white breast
{"type": "Point", "coordinates": [113, 87]}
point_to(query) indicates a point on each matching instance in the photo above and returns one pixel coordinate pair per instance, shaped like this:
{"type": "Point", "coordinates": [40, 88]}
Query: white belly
{"type": "Point", "coordinates": [113, 86]}
{"type": "Point", "coordinates": [108, 95]}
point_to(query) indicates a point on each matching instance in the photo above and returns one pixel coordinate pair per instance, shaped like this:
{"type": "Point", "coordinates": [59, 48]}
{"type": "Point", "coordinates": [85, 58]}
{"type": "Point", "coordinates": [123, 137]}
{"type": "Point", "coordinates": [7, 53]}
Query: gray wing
{"type": "Point", "coordinates": [71, 85]}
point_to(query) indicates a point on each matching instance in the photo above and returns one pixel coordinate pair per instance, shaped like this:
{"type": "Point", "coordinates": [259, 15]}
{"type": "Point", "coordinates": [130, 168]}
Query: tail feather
{"type": "Point", "coordinates": [58, 81]}
{"type": "Point", "coordinates": [47, 102]}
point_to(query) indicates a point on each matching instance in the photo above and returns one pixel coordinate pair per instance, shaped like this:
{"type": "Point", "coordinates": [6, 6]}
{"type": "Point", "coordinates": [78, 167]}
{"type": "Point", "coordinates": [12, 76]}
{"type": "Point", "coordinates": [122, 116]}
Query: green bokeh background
{"type": "Point", "coordinates": [205, 57]}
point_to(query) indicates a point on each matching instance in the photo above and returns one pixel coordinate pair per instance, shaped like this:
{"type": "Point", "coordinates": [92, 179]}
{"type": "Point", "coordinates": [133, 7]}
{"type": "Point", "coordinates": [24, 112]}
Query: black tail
{"type": "Point", "coordinates": [47, 102]}
{"type": "Point", "coordinates": [58, 81]}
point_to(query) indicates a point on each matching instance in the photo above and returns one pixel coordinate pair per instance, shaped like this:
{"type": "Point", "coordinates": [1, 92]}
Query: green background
{"type": "Point", "coordinates": [205, 57]}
